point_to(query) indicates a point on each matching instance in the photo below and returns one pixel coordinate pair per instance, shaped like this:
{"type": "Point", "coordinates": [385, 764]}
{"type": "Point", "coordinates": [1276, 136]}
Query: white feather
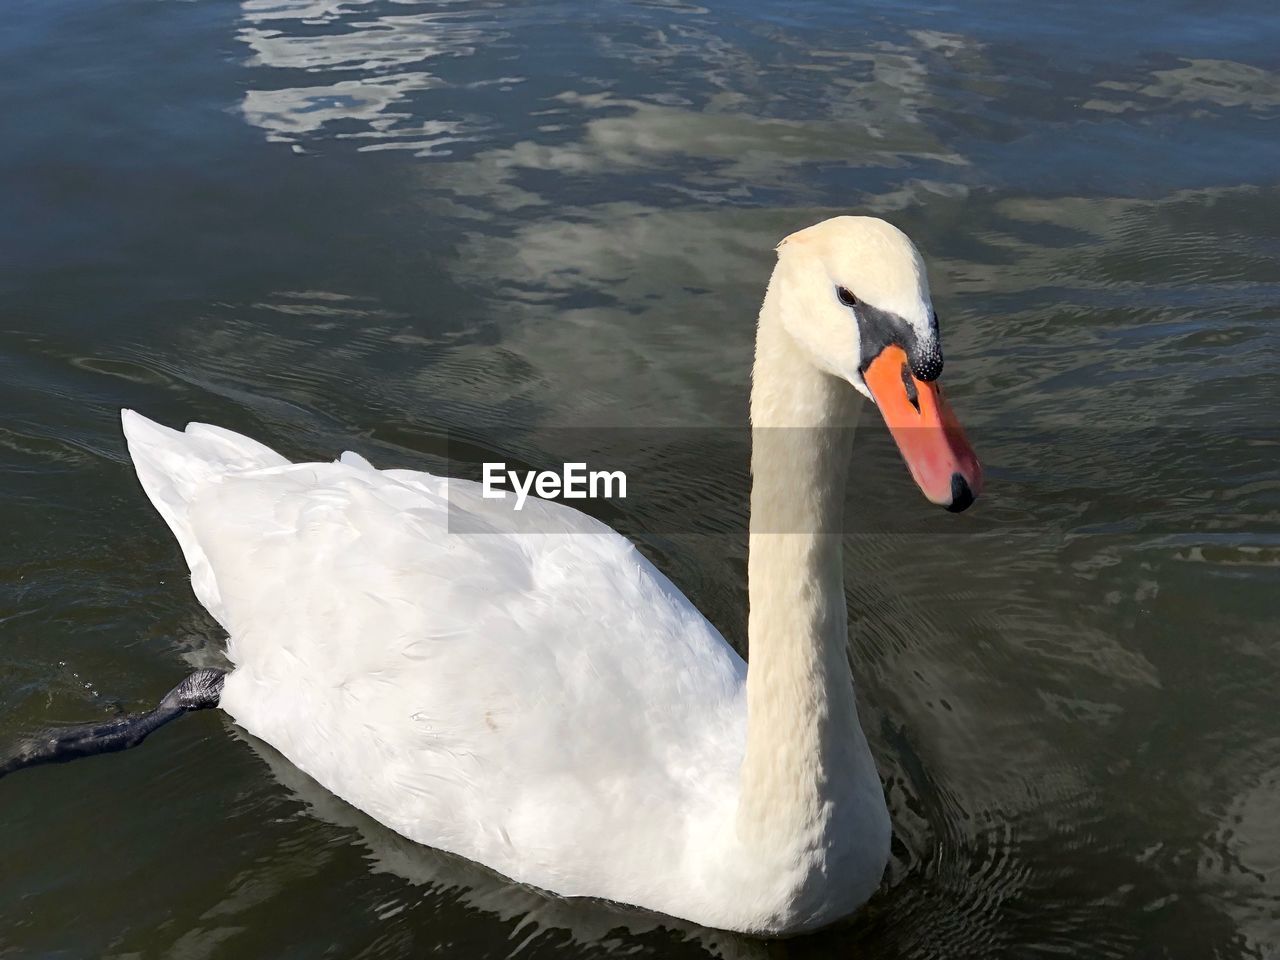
{"type": "Point", "coordinates": [545, 703]}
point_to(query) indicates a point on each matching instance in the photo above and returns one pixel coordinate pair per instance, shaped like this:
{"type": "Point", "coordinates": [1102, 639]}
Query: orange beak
{"type": "Point", "coordinates": [926, 431]}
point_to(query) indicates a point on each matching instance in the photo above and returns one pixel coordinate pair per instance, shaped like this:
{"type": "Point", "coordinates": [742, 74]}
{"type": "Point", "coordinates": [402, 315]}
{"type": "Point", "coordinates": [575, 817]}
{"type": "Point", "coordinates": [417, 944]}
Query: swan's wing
{"type": "Point", "coordinates": [506, 695]}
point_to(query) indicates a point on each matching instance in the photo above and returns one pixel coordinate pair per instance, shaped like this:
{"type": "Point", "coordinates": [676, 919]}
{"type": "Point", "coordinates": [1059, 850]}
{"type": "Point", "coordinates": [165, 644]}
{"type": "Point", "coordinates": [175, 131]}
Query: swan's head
{"type": "Point", "coordinates": [854, 295]}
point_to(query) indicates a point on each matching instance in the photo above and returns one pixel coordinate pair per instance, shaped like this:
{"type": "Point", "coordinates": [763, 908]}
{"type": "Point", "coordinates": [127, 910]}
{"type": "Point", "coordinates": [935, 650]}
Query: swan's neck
{"type": "Point", "coordinates": [806, 759]}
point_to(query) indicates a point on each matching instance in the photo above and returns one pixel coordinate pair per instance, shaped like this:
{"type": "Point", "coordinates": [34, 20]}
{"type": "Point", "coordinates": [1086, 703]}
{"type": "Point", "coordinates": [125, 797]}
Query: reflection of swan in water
{"type": "Point", "coordinates": [588, 923]}
{"type": "Point", "coordinates": [524, 689]}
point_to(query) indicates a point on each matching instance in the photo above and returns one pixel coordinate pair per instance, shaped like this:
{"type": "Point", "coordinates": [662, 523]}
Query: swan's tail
{"type": "Point", "coordinates": [199, 691]}
{"type": "Point", "coordinates": [173, 466]}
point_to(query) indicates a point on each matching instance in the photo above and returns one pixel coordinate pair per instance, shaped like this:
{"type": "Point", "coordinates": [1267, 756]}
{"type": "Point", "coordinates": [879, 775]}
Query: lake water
{"type": "Point", "coordinates": [376, 225]}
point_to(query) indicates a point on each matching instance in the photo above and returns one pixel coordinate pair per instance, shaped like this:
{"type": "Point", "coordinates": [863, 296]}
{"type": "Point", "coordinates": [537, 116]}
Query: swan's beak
{"type": "Point", "coordinates": [926, 430]}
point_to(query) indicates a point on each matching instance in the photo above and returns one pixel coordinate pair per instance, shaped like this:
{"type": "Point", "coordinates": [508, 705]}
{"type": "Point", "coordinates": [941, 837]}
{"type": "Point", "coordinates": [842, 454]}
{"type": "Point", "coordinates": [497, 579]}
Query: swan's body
{"type": "Point", "coordinates": [546, 704]}
{"type": "Point", "coordinates": [525, 689]}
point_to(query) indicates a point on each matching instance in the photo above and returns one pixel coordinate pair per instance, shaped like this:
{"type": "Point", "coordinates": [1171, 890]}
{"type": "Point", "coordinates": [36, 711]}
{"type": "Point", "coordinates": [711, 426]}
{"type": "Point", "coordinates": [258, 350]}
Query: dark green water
{"type": "Point", "coordinates": [373, 224]}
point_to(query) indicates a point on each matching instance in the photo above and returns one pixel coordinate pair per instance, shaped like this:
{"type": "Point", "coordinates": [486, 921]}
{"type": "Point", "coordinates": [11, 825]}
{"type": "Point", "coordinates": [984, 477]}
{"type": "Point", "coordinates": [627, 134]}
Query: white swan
{"type": "Point", "coordinates": [552, 706]}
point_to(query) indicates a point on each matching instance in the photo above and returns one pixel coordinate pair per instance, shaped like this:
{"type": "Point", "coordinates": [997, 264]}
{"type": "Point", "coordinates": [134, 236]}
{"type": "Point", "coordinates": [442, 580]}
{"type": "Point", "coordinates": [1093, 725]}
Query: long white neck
{"type": "Point", "coordinates": [806, 759]}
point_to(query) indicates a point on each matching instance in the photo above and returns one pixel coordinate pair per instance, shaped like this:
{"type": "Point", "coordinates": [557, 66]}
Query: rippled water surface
{"type": "Point", "coordinates": [376, 224]}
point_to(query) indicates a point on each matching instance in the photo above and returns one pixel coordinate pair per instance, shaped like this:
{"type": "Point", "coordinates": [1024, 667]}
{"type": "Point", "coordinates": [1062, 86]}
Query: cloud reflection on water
{"type": "Point", "coordinates": [374, 62]}
{"type": "Point", "coordinates": [1202, 83]}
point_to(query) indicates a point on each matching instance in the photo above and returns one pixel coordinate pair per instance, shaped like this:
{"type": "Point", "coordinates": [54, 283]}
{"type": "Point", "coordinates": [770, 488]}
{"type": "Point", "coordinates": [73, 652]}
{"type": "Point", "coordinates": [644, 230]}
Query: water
{"type": "Point", "coordinates": [377, 224]}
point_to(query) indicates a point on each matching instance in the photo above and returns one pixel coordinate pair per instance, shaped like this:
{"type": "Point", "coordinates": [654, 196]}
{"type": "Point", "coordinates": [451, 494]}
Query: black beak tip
{"type": "Point", "coordinates": [961, 496]}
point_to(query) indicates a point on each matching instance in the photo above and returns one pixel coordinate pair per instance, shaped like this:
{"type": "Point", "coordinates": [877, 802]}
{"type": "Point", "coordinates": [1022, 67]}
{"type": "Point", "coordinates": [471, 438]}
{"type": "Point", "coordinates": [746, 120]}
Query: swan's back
{"type": "Point", "coordinates": [548, 705]}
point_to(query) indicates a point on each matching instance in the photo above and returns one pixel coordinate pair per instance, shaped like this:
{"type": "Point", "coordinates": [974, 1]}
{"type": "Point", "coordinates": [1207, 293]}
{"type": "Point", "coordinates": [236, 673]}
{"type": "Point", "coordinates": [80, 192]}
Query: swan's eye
{"type": "Point", "coordinates": [846, 297]}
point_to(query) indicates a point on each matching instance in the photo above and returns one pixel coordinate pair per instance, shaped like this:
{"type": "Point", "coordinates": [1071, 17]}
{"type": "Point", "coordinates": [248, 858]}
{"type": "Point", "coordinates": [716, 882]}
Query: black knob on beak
{"type": "Point", "coordinates": [961, 496]}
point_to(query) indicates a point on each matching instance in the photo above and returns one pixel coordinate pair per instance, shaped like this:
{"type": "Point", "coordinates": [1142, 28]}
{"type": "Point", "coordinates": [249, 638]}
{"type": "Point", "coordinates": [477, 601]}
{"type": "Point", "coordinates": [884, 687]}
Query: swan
{"type": "Point", "coordinates": [525, 689]}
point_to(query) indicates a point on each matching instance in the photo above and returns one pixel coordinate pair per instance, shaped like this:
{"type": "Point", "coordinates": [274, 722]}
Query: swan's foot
{"type": "Point", "coordinates": [198, 692]}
